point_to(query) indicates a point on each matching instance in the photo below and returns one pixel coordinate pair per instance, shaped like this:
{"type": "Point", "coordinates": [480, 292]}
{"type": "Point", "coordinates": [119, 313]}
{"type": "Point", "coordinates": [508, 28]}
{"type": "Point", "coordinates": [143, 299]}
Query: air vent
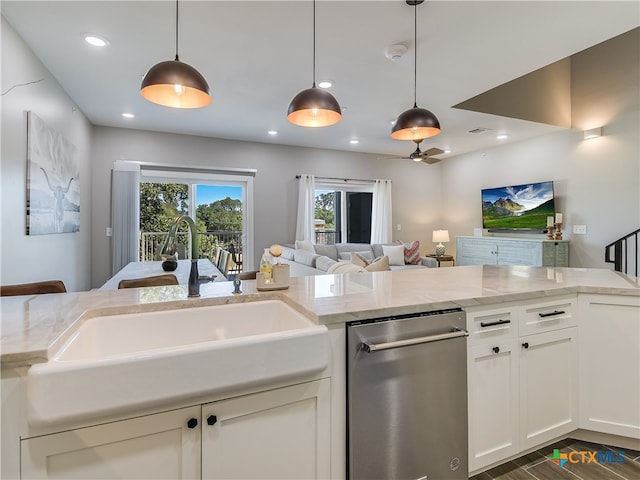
{"type": "Point", "coordinates": [479, 130]}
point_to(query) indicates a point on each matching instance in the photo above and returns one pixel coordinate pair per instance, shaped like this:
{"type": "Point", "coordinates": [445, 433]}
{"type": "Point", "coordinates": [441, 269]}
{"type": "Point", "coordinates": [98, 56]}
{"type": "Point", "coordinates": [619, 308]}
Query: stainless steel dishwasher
{"type": "Point", "coordinates": [407, 397]}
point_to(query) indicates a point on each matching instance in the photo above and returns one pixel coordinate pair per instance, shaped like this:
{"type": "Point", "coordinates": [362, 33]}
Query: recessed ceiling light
{"type": "Point", "coordinates": [502, 136]}
{"type": "Point", "coordinates": [272, 132]}
{"type": "Point", "coordinates": [128, 115]}
{"type": "Point", "coordinates": [447, 150]}
{"type": "Point", "coordinates": [325, 84]}
{"type": "Point", "coordinates": [354, 141]}
{"type": "Point", "coordinates": [95, 40]}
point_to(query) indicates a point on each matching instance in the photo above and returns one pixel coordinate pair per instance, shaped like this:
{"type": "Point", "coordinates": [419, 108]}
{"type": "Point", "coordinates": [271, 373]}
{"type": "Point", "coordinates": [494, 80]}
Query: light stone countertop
{"type": "Point", "coordinates": [34, 327]}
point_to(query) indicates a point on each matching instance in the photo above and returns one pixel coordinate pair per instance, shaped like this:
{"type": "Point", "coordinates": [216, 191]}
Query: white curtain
{"type": "Point", "coordinates": [305, 225]}
{"type": "Point", "coordinates": [125, 214]}
{"type": "Point", "coordinates": [381, 221]}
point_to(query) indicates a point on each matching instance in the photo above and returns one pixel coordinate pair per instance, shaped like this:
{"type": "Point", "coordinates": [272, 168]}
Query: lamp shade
{"type": "Point", "coordinates": [440, 236]}
{"type": "Point", "coordinates": [175, 84]}
{"type": "Point", "coordinates": [415, 124]}
{"type": "Point", "coordinates": [314, 107]}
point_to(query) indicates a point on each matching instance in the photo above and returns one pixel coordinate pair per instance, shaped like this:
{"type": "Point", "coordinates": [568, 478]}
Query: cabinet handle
{"type": "Point", "coordinates": [491, 324]}
{"type": "Point", "coordinates": [496, 349]}
{"type": "Point", "coordinates": [552, 314]}
{"type": "Point", "coordinates": [192, 423]}
{"type": "Point", "coordinates": [212, 420]}
{"type": "Point", "coordinates": [525, 344]}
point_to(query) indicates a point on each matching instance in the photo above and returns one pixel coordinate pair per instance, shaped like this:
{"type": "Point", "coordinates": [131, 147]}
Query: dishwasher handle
{"type": "Point", "coordinates": [377, 347]}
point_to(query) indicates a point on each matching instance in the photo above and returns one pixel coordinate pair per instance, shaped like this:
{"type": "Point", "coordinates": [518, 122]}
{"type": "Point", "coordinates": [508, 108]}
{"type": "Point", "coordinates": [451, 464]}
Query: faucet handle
{"type": "Point", "coordinates": [236, 285]}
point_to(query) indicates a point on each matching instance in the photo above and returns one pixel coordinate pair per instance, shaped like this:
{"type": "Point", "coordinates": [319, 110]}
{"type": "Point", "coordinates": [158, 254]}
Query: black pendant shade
{"type": "Point", "coordinates": [175, 84]}
{"type": "Point", "coordinates": [416, 123]}
{"type": "Point", "coordinates": [314, 107]}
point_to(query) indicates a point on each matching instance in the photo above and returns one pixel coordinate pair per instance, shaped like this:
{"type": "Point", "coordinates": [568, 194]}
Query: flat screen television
{"type": "Point", "coordinates": [518, 207]}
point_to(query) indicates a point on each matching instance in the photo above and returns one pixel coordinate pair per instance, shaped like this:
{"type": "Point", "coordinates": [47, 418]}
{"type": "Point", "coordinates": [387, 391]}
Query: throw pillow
{"type": "Point", "coordinates": [287, 253]}
{"type": "Point", "coordinates": [324, 263]}
{"type": "Point", "coordinates": [305, 257]}
{"type": "Point", "coordinates": [358, 259]}
{"type": "Point", "coordinates": [305, 245]}
{"type": "Point", "coordinates": [411, 252]}
{"type": "Point", "coordinates": [345, 267]}
{"type": "Point", "coordinates": [395, 254]}
{"type": "Point", "coordinates": [378, 265]}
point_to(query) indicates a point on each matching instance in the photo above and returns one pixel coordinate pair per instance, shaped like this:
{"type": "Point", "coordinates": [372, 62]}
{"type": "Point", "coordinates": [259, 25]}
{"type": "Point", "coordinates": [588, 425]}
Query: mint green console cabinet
{"type": "Point", "coordinates": [512, 251]}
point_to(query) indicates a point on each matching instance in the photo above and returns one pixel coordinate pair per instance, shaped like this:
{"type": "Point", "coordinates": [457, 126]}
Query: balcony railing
{"type": "Point", "coordinates": [325, 237]}
{"type": "Point", "coordinates": [623, 253]}
{"type": "Point", "coordinates": [151, 244]}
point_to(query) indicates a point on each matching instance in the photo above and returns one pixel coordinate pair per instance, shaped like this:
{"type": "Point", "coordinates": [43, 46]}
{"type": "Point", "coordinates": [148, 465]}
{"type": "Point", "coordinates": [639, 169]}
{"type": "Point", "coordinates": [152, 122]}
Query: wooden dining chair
{"type": "Point", "coordinates": [236, 261]}
{"type": "Point", "coordinates": [216, 258]}
{"type": "Point", "coordinates": [224, 262]}
{"type": "Point", "coordinates": [155, 281]}
{"type": "Point", "coordinates": [35, 288]}
{"type": "Point", "coordinates": [251, 275]}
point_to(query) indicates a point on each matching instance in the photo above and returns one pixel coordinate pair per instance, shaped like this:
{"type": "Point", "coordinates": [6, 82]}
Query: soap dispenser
{"type": "Point", "coordinates": [266, 266]}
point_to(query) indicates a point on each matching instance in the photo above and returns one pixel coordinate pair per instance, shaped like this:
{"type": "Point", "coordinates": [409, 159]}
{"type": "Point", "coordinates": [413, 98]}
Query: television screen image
{"type": "Point", "coordinates": [518, 207]}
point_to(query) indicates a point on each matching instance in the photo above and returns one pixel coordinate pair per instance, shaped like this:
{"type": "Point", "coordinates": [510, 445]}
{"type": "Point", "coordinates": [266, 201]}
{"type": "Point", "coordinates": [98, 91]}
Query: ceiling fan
{"type": "Point", "coordinates": [419, 156]}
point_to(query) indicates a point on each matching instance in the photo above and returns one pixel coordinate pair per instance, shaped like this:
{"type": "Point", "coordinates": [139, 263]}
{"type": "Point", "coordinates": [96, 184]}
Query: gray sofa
{"type": "Point", "coordinates": [305, 263]}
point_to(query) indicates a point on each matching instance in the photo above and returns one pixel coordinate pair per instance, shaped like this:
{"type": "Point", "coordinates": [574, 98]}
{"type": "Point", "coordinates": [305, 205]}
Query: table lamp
{"type": "Point", "coordinates": [440, 236]}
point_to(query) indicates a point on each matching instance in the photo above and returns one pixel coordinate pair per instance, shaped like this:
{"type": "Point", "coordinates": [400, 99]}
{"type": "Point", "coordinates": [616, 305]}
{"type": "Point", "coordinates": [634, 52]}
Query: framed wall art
{"type": "Point", "coordinates": [53, 180]}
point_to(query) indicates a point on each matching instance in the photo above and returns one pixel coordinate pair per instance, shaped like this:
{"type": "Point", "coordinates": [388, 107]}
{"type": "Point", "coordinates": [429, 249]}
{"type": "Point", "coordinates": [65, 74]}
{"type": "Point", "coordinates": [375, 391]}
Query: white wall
{"type": "Point", "coordinates": [597, 183]}
{"type": "Point", "coordinates": [41, 257]}
{"type": "Point", "coordinates": [415, 186]}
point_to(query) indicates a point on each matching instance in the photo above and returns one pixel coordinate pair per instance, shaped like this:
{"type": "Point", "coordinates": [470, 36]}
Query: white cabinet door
{"type": "Point", "coordinates": [278, 434]}
{"type": "Point", "coordinates": [610, 364]}
{"type": "Point", "coordinates": [548, 386]}
{"type": "Point", "coordinates": [493, 402]}
{"type": "Point", "coordinates": [159, 446]}
{"type": "Point", "coordinates": [475, 251]}
{"type": "Point", "coordinates": [513, 252]}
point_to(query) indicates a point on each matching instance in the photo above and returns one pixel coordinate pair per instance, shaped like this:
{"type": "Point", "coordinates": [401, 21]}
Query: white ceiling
{"type": "Point", "coordinates": [257, 56]}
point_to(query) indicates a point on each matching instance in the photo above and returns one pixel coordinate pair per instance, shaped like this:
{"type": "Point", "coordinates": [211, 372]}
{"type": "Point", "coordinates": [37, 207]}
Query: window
{"type": "Point", "coordinates": [343, 213]}
{"type": "Point", "coordinates": [220, 205]}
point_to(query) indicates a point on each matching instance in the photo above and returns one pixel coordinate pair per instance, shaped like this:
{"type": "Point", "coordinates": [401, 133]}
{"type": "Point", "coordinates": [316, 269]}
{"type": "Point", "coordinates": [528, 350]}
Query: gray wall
{"type": "Point", "coordinates": [416, 190]}
{"type": "Point", "coordinates": [25, 258]}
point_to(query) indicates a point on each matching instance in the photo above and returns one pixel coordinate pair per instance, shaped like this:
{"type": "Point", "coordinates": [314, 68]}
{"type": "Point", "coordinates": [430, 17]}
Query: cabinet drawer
{"type": "Point", "coordinates": [491, 325]}
{"type": "Point", "coordinates": [542, 317]}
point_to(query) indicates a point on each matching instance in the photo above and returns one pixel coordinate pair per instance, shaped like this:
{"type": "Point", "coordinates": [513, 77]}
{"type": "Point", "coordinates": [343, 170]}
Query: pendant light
{"type": "Point", "coordinates": [415, 123]}
{"type": "Point", "coordinates": [314, 107]}
{"type": "Point", "coordinates": [175, 84]}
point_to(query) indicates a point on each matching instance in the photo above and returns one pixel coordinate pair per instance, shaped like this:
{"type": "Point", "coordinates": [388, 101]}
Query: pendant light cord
{"type": "Point", "coordinates": [177, 59]}
{"type": "Point", "coordinates": [415, 53]}
{"type": "Point", "coordinates": [314, 43]}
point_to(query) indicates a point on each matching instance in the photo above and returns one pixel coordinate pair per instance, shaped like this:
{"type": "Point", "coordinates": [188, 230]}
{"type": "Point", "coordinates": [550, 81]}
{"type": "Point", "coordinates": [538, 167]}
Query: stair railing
{"type": "Point", "coordinates": [623, 253]}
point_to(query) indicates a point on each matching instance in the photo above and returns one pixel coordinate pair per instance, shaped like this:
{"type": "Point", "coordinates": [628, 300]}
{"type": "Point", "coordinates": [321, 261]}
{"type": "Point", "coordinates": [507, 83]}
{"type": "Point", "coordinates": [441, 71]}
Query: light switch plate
{"type": "Point", "coordinates": [580, 229]}
{"type": "Point", "coordinates": [109, 231]}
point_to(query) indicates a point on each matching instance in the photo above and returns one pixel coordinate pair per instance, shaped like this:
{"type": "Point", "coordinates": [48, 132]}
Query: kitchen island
{"type": "Point", "coordinates": [35, 327]}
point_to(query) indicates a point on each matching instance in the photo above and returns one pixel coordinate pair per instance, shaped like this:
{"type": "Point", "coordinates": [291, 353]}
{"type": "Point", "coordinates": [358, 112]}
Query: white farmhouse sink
{"type": "Point", "coordinates": [122, 362]}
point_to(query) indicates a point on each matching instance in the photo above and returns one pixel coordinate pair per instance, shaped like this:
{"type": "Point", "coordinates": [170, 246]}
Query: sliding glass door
{"type": "Point", "coordinates": [220, 205]}
{"type": "Point", "coordinates": [343, 213]}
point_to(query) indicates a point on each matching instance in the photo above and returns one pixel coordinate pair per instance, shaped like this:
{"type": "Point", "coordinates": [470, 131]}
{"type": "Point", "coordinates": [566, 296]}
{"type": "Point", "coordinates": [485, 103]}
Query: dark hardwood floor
{"type": "Point", "coordinates": [538, 465]}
